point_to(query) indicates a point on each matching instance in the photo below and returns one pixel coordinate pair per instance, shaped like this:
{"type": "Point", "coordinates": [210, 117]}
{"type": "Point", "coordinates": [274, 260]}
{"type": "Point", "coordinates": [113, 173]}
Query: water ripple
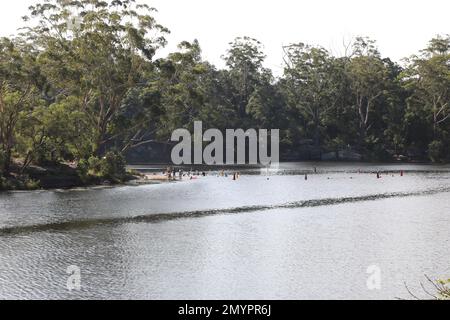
{"type": "Point", "coordinates": [156, 218]}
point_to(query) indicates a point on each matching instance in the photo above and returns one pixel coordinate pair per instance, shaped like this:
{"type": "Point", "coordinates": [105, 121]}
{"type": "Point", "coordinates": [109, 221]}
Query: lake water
{"type": "Point", "coordinates": [269, 235]}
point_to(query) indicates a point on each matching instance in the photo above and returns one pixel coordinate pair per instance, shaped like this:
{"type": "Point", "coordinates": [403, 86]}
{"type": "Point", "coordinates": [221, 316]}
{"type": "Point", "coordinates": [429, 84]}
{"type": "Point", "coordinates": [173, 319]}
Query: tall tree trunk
{"type": "Point", "coordinates": [7, 162]}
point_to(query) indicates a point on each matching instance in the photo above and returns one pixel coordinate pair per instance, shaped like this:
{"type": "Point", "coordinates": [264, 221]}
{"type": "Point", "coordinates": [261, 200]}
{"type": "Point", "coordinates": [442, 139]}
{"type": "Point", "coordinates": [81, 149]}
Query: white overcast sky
{"type": "Point", "coordinates": [401, 27]}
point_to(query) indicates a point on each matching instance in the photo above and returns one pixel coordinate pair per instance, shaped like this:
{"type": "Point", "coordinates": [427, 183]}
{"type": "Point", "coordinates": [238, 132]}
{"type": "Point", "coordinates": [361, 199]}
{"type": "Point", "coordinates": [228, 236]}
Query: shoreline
{"type": "Point", "coordinates": [51, 179]}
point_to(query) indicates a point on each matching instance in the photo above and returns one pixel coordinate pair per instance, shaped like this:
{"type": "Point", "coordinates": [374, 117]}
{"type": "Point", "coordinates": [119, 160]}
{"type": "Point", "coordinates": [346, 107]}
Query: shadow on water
{"type": "Point", "coordinates": [157, 218]}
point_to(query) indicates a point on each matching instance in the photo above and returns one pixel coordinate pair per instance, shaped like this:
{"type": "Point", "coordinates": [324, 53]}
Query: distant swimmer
{"type": "Point", "coordinates": [378, 175]}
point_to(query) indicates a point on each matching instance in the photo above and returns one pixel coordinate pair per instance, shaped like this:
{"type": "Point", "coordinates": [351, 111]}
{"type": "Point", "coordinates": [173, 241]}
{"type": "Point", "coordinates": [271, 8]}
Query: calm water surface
{"type": "Point", "coordinates": [269, 235]}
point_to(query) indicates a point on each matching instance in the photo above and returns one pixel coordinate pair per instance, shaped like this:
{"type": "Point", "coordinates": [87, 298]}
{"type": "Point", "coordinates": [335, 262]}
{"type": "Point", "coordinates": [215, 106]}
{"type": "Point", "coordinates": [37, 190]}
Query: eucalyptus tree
{"type": "Point", "coordinates": [310, 85]}
{"type": "Point", "coordinates": [192, 90]}
{"type": "Point", "coordinates": [368, 76]}
{"type": "Point", "coordinates": [429, 76]}
{"type": "Point", "coordinates": [428, 80]}
{"type": "Point", "coordinates": [96, 51]}
{"type": "Point", "coordinates": [244, 60]}
{"type": "Point", "coordinates": [181, 84]}
{"type": "Point", "coordinates": [19, 95]}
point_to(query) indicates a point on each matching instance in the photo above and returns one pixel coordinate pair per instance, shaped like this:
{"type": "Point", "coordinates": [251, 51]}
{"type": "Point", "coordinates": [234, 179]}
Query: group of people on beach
{"type": "Point", "coordinates": [180, 174]}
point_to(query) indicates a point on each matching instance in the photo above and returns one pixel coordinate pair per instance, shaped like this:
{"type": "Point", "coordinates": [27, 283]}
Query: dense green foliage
{"type": "Point", "coordinates": [88, 90]}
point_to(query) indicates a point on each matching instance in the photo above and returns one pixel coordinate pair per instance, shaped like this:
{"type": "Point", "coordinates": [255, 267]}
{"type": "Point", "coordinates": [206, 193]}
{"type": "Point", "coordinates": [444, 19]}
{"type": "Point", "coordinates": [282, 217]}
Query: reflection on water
{"type": "Point", "coordinates": [269, 235]}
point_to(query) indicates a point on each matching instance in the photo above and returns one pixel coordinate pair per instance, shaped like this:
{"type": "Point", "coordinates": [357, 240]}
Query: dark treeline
{"type": "Point", "coordinates": [82, 90]}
